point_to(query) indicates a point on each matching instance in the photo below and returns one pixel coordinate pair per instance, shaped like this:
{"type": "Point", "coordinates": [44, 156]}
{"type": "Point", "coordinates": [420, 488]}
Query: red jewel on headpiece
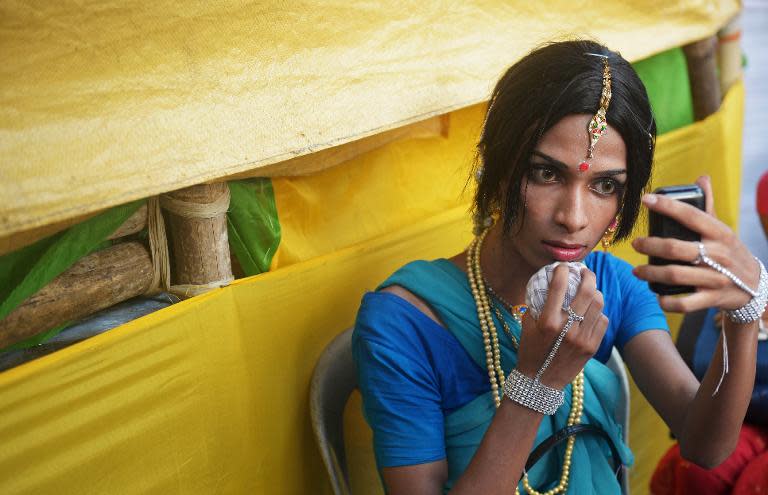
{"type": "Point", "coordinates": [583, 166]}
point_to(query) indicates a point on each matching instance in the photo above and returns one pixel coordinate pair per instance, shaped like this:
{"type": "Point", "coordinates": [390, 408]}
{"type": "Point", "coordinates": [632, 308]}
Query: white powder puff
{"type": "Point", "coordinates": [538, 287]}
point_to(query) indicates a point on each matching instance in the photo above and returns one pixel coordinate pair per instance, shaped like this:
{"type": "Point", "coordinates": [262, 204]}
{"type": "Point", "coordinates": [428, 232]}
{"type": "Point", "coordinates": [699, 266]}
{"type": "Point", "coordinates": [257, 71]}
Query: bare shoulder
{"type": "Point", "coordinates": [413, 299]}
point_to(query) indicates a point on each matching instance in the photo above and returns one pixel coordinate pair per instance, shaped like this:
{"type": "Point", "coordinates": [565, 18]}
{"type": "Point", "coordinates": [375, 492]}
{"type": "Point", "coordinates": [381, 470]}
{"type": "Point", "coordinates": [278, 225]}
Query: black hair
{"type": "Point", "coordinates": [551, 82]}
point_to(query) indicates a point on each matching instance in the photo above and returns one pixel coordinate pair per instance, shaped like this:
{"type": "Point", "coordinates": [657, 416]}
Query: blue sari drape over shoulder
{"type": "Point", "coordinates": [446, 290]}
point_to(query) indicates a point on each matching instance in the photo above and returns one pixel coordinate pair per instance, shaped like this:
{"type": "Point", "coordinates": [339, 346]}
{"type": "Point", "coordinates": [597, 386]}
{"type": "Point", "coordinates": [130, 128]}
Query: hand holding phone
{"type": "Point", "coordinates": [664, 226]}
{"type": "Point", "coordinates": [712, 287]}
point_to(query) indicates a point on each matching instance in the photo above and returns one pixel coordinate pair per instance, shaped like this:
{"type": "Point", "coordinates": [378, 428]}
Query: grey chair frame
{"type": "Point", "coordinates": [616, 364]}
{"type": "Point", "coordinates": [334, 379]}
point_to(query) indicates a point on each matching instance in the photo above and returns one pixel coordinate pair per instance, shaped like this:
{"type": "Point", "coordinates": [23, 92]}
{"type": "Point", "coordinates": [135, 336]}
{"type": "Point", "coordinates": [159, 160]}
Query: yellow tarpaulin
{"type": "Point", "coordinates": [210, 395]}
{"type": "Point", "coordinates": [107, 102]}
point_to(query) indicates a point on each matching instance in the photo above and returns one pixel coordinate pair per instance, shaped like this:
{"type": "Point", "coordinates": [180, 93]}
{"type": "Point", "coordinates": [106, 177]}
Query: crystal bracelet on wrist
{"type": "Point", "coordinates": [750, 312]}
{"type": "Point", "coordinates": [532, 393]}
{"type": "Point", "coordinates": [753, 310]}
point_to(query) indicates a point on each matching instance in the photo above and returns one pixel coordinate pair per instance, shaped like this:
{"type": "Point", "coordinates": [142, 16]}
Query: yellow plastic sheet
{"type": "Point", "coordinates": [210, 395]}
{"type": "Point", "coordinates": [376, 193]}
{"type": "Point", "coordinates": [107, 102]}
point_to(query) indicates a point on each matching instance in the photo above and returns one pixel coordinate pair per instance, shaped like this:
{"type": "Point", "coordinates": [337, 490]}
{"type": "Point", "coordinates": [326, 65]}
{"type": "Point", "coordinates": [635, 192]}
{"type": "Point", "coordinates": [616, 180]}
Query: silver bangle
{"type": "Point", "coordinates": [751, 311]}
{"type": "Point", "coordinates": [532, 393]}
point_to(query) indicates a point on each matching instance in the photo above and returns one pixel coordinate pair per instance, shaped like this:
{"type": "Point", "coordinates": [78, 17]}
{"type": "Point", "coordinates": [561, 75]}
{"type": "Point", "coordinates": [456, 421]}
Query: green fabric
{"type": "Point", "coordinates": [27, 270]}
{"type": "Point", "coordinates": [253, 227]}
{"type": "Point", "coordinates": [665, 76]}
{"type": "Point", "coordinates": [446, 290]}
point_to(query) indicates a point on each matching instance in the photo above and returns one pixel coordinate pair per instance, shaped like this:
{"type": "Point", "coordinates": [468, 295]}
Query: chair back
{"type": "Point", "coordinates": [616, 364]}
{"type": "Point", "coordinates": [334, 379]}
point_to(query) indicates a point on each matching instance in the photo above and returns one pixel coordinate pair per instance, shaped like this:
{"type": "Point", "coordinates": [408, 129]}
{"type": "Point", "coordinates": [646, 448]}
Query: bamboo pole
{"type": "Point", "coordinates": [198, 239]}
{"type": "Point", "coordinates": [702, 71]}
{"type": "Point", "coordinates": [96, 282]}
{"type": "Point", "coordinates": [729, 53]}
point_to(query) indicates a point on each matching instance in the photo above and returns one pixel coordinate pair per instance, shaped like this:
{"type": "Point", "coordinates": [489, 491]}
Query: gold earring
{"type": "Point", "coordinates": [607, 239]}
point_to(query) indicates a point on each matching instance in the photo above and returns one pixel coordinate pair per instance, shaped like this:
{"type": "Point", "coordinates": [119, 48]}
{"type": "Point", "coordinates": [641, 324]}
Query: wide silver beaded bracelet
{"type": "Point", "coordinates": [532, 393]}
{"type": "Point", "coordinates": [753, 310]}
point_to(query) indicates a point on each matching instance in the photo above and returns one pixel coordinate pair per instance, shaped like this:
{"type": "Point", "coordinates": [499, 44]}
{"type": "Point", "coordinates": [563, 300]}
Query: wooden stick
{"type": "Point", "coordinates": [702, 71]}
{"type": "Point", "coordinates": [729, 53]}
{"type": "Point", "coordinates": [135, 223]}
{"type": "Point", "coordinates": [97, 281]}
{"type": "Point", "coordinates": [199, 246]}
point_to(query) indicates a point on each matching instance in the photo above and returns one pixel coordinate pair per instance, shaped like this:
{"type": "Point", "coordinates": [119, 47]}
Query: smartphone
{"type": "Point", "coordinates": [663, 226]}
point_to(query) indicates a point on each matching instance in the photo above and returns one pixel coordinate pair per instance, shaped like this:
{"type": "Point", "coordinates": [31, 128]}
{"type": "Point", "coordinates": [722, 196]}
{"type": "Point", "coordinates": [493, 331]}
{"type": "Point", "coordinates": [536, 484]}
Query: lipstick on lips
{"type": "Point", "coordinates": [562, 251]}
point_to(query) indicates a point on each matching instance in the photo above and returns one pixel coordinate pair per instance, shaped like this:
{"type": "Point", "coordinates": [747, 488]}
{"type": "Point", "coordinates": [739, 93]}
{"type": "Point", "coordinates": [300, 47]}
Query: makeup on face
{"type": "Point", "coordinates": [546, 159]}
{"type": "Point", "coordinates": [563, 251]}
{"type": "Point", "coordinates": [604, 181]}
{"type": "Point", "coordinates": [613, 178]}
{"type": "Point", "coordinates": [568, 209]}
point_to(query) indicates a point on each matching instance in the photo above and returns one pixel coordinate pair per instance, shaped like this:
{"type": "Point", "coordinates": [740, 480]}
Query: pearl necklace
{"type": "Point", "coordinates": [480, 290]}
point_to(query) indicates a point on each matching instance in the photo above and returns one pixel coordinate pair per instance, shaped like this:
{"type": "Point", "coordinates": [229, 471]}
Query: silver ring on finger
{"type": "Point", "coordinates": [702, 256]}
{"type": "Point", "coordinates": [572, 315]}
{"type": "Point", "coordinates": [704, 259]}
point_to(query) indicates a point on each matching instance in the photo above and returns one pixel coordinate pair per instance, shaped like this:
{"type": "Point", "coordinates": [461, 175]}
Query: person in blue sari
{"type": "Point", "coordinates": [460, 384]}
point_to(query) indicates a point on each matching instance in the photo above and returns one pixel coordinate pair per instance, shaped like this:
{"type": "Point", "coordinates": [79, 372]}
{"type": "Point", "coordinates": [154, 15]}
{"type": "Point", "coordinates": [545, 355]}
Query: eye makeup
{"type": "Point", "coordinates": [548, 160]}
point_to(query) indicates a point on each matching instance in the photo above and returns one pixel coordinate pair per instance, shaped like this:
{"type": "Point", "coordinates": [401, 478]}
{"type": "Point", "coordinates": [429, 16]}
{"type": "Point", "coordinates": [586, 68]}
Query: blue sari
{"type": "Point", "coordinates": [446, 290]}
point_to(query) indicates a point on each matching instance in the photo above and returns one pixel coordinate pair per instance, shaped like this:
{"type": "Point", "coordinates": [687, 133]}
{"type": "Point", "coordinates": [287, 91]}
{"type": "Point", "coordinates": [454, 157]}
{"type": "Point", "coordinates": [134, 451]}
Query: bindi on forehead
{"type": "Point", "coordinates": [567, 141]}
{"type": "Point", "coordinates": [599, 168]}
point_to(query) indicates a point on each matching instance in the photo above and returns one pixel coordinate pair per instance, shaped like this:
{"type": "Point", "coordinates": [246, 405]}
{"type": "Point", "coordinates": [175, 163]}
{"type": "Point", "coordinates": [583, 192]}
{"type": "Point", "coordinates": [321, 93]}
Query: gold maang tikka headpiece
{"type": "Point", "coordinates": [598, 125]}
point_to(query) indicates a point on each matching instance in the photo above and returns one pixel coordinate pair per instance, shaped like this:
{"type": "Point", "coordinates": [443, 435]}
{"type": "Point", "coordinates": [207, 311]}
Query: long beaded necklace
{"type": "Point", "coordinates": [480, 293]}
